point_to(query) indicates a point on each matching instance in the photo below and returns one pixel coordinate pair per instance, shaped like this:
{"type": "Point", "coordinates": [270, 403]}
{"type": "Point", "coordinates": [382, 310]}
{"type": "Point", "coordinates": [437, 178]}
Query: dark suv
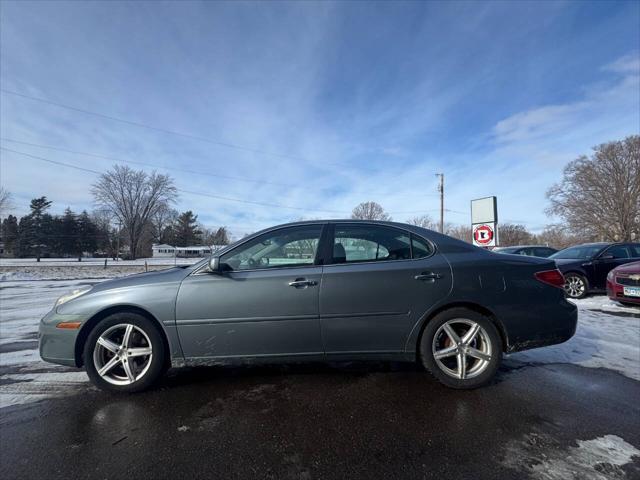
{"type": "Point", "coordinates": [585, 267]}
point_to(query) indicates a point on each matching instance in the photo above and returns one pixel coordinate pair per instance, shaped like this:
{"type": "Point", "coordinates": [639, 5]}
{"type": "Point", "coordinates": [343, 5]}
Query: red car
{"type": "Point", "coordinates": [623, 283]}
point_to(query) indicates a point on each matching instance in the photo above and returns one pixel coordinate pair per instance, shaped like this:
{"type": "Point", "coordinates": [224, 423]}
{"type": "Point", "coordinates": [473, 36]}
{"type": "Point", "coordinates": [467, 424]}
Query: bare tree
{"type": "Point", "coordinates": [424, 221]}
{"type": "Point", "coordinates": [510, 234]}
{"type": "Point", "coordinates": [133, 197]}
{"type": "Point", "coordinates": [164, 217]}
{"type": "Point", "coordinates": [461, 232]}
{"type": "Point", "coordinates": [5, 200]}
{"type": "Point", "coordinates": [370, 211]}
{"type": "Point", "coordinates": [600, 195]}
{"type": "Point", "coordinates": [559, 236]}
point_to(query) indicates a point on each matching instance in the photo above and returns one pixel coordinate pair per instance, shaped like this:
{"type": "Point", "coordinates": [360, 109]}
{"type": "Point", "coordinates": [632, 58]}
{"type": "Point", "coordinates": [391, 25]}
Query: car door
{"type": "Point", "coordinates": [609, 259]}
{"type": "Point", "coordinates": [263, 303]}
{"type": "Point", "coordinates": [377, 284]}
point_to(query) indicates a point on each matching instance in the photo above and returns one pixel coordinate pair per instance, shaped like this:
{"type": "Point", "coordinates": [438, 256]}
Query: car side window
{"type": "Point", "coordinates": [287, 247]}
{"type": "Point", "coordinates": [544, 252]}
{"type": "Point", "coordinates": [420, 247]}
{"type": "Point", "coordinates": [369, 243]}
{"type": "Point", "coordinates": [618, 251]}
{"type": "Point", "coordinates": [635, 251]}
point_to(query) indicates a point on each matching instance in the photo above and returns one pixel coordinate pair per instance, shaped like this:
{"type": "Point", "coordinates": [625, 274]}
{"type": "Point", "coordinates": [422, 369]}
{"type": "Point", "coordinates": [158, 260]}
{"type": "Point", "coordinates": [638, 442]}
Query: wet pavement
{"type": "Point", "coordinates": [546, 416]}
{"type": "Point", "coordinates": [369, 421]}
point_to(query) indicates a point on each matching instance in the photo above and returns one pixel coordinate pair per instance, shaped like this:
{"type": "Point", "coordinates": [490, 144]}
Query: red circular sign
{"type": "Point", "coordinates": [483, 235]}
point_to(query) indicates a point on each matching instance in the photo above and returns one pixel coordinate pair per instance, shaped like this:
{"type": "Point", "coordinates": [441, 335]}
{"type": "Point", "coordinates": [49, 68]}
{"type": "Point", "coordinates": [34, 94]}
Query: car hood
{"type": "Point", "coordinates": [628, 268]}
{"type": "Point", "coordinates": [175, 274]}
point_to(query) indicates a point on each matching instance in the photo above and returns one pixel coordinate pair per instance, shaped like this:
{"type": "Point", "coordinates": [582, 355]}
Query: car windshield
{"type": "Point", "coordinates": [582, 252]}
{"type": "Point", "coordinates": [505, 249]}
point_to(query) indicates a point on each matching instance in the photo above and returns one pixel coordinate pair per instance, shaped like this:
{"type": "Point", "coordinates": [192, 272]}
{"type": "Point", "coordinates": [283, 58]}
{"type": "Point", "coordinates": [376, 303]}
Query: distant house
{"type": "Point", "coordinates": [169, 251]}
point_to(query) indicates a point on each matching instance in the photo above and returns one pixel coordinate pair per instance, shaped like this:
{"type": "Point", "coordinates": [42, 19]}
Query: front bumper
{"type": "Point", "coordinates": [615, 291]}
{"type": "Point", "coordinates": [57, 345]}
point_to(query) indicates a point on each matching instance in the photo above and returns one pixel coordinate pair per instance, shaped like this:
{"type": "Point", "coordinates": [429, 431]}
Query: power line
{"type": "Point", "coordinates": [133, 162]}
{"type": "Point", "coordinates": [208, 195]}
{"type": "Point", "coordinates": [218, 197]}
{"type": "Point", "coordinates": [150, 127]}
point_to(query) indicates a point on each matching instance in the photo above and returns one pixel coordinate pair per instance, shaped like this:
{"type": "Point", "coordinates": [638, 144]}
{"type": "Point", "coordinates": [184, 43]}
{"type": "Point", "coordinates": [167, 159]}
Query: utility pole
{"type": "Point", "coordinates": [441, 190]}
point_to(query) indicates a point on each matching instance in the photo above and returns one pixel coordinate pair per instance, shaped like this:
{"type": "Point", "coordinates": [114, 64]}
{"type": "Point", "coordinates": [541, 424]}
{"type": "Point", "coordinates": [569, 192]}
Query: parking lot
{"type": "Point", "coordinates": [567, 411]}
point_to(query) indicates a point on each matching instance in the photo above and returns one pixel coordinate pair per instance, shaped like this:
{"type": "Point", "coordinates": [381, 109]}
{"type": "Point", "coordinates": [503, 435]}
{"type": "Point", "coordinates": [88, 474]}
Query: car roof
{"type": "Point", "coordinates": [594, 244]}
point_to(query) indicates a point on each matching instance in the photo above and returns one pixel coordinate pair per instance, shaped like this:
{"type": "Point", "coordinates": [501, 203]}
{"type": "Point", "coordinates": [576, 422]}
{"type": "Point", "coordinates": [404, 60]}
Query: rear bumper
{"type": "Point", "coordinates": [57, 345]}
{"type": "Point", "coordinates": [565, 320]}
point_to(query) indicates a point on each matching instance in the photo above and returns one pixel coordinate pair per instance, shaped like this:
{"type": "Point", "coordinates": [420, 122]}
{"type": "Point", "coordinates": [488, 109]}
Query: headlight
{"type": "Point", "coordinates": [610, 276]}
{"type": "Point", "coordinates": [71, 295]}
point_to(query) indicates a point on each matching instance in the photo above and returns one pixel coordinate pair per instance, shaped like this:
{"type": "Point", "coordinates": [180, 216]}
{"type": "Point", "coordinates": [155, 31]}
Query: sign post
{"type": "Point", "coordinates": [484, 221]}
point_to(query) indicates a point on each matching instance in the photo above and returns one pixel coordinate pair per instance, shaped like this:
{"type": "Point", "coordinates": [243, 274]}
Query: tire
{"type": "Point", "coordinates": [485, 343]}
{"type": "Point", "coordinates": [575, 285]}
{"type": "Point", "coordinates": [125, 368]}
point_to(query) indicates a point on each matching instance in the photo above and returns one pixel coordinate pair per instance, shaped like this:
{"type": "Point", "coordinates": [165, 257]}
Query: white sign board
{"type": "Point", "coordinates": [484, 235]}
{"type": "Point", "coordinates": [484, 210]}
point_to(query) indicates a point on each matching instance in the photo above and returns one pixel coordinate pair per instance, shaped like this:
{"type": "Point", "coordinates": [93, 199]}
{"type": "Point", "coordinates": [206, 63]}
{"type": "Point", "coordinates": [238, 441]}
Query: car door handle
{"type": "Point", "coordinates": [428, 276]}
{"type": "Point", "coordinates": [302, 283]}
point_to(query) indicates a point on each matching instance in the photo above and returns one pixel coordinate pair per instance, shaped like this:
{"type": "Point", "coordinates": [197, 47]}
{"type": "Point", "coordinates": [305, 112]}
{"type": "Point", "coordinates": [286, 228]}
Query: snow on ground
{"type": "Point", "coordinates": [608, 336]}
{"type": "Point", "coordinates": [24, 377]}
{"type": "Point", "coordinates": [61, 262]}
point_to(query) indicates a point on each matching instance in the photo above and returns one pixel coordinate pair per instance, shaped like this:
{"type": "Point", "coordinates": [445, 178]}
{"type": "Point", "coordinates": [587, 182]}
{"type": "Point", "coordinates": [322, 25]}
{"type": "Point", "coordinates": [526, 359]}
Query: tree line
{"type": "Point", "coordinates": [597, 198]}
{"type": "Point", "coordinates": [102, 234]}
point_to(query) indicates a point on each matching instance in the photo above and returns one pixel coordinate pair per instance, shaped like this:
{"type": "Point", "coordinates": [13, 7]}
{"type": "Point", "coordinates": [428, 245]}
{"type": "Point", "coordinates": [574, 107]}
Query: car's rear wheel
{"type": "Point", "coordinates": [124, 352]}
{"type": "Point", "coordinates": [575, 285]}
{"type": "Point", "coordinates": [461, 348]}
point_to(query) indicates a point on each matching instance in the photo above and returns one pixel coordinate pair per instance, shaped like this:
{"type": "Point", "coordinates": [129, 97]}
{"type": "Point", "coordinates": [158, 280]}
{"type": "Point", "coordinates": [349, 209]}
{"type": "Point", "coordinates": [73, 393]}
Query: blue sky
{"type": "Point", "coordinates": [333, 103]}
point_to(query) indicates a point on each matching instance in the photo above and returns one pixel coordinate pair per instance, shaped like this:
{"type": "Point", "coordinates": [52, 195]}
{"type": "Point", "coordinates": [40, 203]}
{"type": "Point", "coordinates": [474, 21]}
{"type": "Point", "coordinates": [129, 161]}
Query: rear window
{"type": "Point", "coordinates": [421, 248]}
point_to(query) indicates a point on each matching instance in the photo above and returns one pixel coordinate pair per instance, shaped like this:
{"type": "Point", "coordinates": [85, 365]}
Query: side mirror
{"type": "Point", "coordinates": [214, 264]}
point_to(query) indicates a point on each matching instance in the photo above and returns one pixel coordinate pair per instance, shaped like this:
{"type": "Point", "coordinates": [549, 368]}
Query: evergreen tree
{"type": "Point", "coordinates": [86, 237]}
{"type": "Point", "coordinates": [187, 231]}
{"type": "Point", "coordinates": [68, 233]}
{"type": "Point", "coordinates": [24, 246]}
{"type": "Point", "coordinates": [10, 234]}
{"type": "Point", "coordinates": [38, 208]}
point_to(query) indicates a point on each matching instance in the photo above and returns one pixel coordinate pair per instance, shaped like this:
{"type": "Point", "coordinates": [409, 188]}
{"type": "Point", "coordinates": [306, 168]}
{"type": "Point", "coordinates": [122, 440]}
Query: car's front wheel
{"type": "Point", "coordinates": [124, 352]}
{"type": "Point", "coordinates": [461, 348]}
{"type": "Point", "coordinates": [575, 285]}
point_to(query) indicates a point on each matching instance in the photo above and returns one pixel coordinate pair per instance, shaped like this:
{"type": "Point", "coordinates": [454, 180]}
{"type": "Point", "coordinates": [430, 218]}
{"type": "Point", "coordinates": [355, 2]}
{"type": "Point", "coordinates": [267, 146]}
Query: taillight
{"type": "Point", "coordinates": [551, 277]}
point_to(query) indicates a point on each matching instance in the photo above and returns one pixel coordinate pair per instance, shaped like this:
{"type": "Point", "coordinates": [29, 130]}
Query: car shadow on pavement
{"type": "Point", "coordinates": [202, 374]}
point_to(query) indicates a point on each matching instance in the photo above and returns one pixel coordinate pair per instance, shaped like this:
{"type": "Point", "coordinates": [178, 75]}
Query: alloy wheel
{"type": "Point", "coordinates": [462, 348]}
{"type": "Point", "coordinates": [574, 286]}
{"type": "Point", "coordinates": [122, 354]}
